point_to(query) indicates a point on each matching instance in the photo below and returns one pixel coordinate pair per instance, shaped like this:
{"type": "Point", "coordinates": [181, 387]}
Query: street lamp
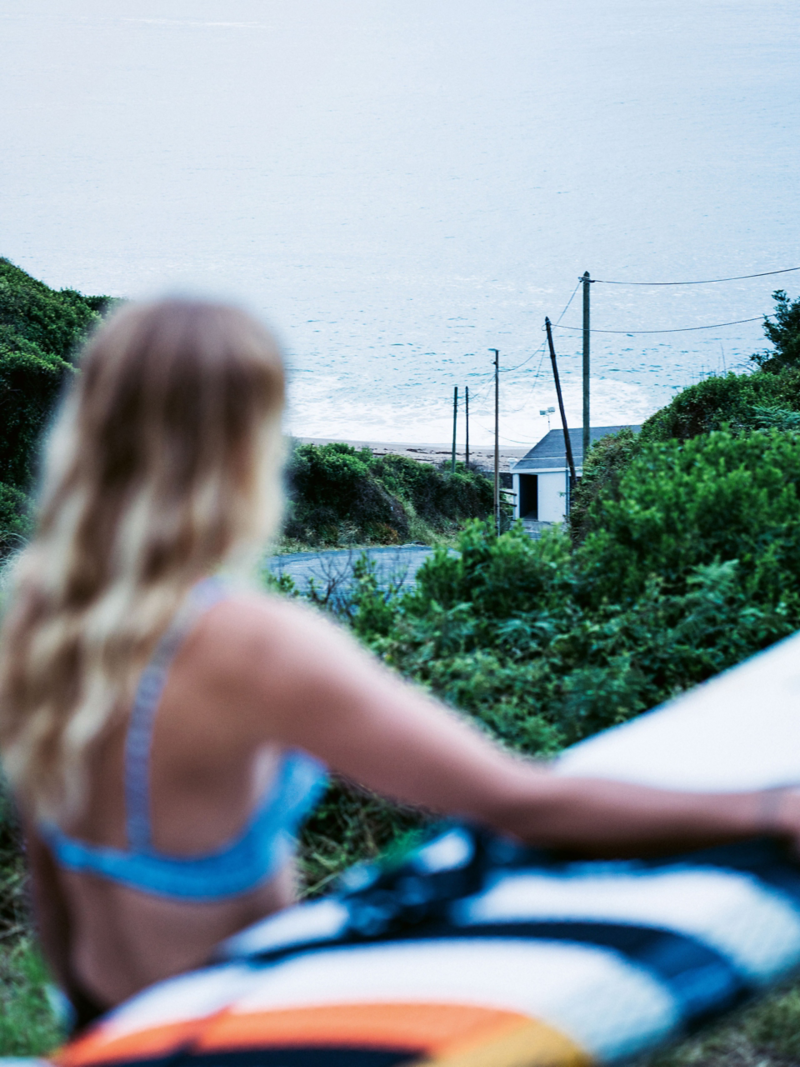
{"type": "Point", "coordinates": [548, 412]}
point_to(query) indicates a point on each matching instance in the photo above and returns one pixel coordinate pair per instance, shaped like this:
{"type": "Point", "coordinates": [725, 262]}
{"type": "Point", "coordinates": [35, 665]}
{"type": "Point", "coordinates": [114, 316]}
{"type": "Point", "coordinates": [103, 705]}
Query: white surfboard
{"type": "Point", "coordinates": [740, 730]}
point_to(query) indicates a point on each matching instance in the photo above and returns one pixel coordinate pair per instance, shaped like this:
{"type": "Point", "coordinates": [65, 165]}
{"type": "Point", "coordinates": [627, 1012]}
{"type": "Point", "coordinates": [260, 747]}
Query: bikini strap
{"type": "Point", "coordinates": [138, 743]}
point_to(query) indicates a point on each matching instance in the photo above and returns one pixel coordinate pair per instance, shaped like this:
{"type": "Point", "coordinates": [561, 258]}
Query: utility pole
{"type": "Point", "coordinates": [587, 281]}
{"type": "Point", "coordinates": [567, 442]}
{"type": "Point", "coordinates": [466, 415]}
{"type": "Point", "coordinates": [455, 419]}
{"type": "Point", "coordinates": [496, 439]}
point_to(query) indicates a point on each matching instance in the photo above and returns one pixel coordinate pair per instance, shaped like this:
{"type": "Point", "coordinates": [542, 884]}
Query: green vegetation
{"type": "Point", "coordinates": [784, 333]}
{"type": "Point", "coordinates": [40, 331]}
{"type": "Point", "coordinates": [340, 495]}
{"type": "Point", "coordinates": [27, 1025]}
{"type": "Point", "coordinates": [764, 1035]}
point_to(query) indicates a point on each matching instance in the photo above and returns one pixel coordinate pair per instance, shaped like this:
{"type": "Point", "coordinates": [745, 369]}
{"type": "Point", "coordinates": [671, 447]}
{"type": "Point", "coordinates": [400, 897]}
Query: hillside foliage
{"type": "Point", "coordinates": [767, 399]}
{"type": "Point", "coordinates": [341, 495]}
{"type": "Point", "coordinates": [41, 330]}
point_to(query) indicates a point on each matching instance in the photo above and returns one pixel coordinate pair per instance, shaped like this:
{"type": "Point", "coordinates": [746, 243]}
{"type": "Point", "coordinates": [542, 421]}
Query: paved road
{"type": "Point", "coordinates": [334, 569]}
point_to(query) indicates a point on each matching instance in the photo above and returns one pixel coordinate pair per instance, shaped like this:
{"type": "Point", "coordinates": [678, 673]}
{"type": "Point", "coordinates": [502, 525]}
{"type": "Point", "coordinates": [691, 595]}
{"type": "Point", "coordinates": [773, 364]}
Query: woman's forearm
{"type": "Point", "coordinates": [605, 818]}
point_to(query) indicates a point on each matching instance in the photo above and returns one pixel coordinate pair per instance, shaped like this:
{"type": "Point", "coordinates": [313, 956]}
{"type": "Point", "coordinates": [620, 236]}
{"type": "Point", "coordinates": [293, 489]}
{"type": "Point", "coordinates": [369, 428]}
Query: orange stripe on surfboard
{"type": "Point", "coordinates": [445, 1035]}
{"type": "Point", "coordinates": [428, 1028]}
{"type": "Point", "coordinates": [100, 1046]}
{"type": "Point", "coordinates": [529, 1044]}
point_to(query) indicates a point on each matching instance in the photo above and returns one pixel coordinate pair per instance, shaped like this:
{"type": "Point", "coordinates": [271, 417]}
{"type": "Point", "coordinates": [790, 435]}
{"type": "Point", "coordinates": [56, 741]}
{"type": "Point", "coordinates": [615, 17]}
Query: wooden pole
{"type": "Point", "coordinates": [496, 438]}
{"type": "Point", "coordinates": [587, 281]}
{"type": "Point", "coordinates": [466, 416]}
{"type": "Point", "coordinates": [455, 420]}
{"type": "Point", "coordinates": [567, 442]}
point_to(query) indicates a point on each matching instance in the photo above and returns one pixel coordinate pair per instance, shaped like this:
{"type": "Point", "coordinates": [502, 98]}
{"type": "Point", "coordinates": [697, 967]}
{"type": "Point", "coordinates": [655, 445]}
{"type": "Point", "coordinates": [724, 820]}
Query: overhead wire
{"type": "Point", "coordinates": [488, 378]}
{"type": "Point", "coordinates": [510, 370]}
{"type": "Point", "coordinates": [704, 281]}
{"type": "Point", "coordinates": [680, 329]}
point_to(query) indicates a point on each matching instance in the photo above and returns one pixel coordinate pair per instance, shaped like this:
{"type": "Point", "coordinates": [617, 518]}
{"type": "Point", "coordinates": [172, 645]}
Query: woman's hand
{"type": "Point", "coordinates": [779, 813]}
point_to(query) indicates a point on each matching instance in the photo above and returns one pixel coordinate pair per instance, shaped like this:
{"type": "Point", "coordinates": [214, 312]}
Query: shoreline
{"type": "Point", "coordinates": [429, 453]}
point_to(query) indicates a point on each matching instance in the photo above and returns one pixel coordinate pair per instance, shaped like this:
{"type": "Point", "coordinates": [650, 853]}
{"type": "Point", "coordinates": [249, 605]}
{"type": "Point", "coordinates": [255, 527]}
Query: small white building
{"type": "Point", "coordinates": [541, 479]}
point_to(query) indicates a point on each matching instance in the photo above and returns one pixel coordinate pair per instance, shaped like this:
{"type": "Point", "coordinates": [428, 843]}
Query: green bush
{"type": "Point", "coordinates": [784, 333]}
{"type": "Point", "coordinates": [54, 321]}
{"type": "Point", "coordinates": [40, 331]}
{"type": "Point", "coordinates": [684, 505]}
{"type": "Point", "coordinates": [30, 383]}
{"type": "Point", "coordinates": [15, 520]}
{"type": "Point", "coordinates": [341, 495]}
{"type": "Point", "coordinates": [28, 1026]}
{"type": "Point", "coordinates": [738, 402]}
{"type": "Point", "coordinates": [607, 461]}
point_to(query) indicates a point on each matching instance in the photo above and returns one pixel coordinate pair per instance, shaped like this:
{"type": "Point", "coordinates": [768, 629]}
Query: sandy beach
{"type": "Point", "coordinates": [431, 453]}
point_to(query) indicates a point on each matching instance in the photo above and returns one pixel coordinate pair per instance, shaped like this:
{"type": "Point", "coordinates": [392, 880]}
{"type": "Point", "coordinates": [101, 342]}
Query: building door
{"type": "Point", "coordinates": [529, 496]}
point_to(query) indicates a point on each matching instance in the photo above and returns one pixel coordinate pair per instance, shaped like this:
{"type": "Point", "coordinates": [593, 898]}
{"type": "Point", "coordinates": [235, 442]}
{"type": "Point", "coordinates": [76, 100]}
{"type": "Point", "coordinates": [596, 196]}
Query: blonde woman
{"type": "Point", "coordinates": [165, 732]}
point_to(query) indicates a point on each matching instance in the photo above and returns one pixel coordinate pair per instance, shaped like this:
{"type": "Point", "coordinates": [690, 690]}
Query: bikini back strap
{"type": "Point", "coordinates": [138, 742]}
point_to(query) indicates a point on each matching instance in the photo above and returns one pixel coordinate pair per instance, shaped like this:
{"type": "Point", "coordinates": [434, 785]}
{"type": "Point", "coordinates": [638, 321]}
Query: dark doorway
{"type": "Point", "coordinates": [529, 496]}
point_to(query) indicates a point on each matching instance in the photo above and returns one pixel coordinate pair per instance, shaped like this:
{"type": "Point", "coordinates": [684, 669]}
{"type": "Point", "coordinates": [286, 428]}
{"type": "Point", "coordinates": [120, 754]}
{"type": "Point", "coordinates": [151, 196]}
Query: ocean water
{"type": "Point", "coordinates": [400, 186]}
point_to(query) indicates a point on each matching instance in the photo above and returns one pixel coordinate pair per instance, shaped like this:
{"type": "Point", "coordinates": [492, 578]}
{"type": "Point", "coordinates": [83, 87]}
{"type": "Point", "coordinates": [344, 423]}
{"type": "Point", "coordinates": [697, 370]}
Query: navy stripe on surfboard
{"type": "Point", "coordinates": [765, 859]}
{"type": "Point", "coordinates": [280, 1057]}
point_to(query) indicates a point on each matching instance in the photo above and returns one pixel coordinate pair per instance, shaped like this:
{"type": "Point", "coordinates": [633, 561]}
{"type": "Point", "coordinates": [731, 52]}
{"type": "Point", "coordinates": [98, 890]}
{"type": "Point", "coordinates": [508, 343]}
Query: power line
{"type": "Point", "coordinates": [680, 329]}
{"type": "Point", "coordinates": [510, 370]}
{"type": "Point", "coordinates": [706, 281]}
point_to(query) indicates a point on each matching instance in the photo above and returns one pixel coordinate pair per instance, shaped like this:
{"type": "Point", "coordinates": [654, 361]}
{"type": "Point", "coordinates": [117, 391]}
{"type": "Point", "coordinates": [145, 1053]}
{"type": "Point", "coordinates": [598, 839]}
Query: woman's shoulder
{"type": "Point", "coordinates": [249, 629]}
{"type": "Point", "coordinates": [271, 659]}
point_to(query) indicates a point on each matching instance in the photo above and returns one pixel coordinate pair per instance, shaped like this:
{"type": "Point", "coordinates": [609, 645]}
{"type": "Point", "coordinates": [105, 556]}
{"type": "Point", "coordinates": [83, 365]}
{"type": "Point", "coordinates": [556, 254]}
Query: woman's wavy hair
{"type": "Point", "coordinates": [162, 466]}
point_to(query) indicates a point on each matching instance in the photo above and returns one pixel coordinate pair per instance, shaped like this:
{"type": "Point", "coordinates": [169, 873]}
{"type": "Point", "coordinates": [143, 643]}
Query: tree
{"type": "Point", "coordinates": [784, 332]}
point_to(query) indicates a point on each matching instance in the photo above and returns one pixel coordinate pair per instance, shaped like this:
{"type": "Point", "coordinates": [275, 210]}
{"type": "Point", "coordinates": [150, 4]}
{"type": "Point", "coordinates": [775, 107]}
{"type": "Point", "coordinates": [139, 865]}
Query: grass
{"type": "Point", "coordinates": [27, 1024]}
{"type": "Point", "coordinates": [348, 541]}
{"type": "Point", "coordinates": [349, 826]}
{"type": "Point", "coordinates": [765, 1035]}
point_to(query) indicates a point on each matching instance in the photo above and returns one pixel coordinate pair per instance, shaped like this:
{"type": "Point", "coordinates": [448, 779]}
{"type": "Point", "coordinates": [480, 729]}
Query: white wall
{"type": "Point", "coordinates": [553, 496]}
{"type": "Point", "coordinates": [515, 487]}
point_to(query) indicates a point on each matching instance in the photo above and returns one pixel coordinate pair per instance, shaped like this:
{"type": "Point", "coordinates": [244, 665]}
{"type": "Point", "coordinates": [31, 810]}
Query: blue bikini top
{"type": "Point", "coordinates": [257, 854]}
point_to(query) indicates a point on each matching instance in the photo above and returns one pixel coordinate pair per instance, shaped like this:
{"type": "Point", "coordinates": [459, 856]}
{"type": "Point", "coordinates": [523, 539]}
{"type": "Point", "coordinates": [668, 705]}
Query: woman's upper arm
{"type": "Point", "coordinates": [333, 699]}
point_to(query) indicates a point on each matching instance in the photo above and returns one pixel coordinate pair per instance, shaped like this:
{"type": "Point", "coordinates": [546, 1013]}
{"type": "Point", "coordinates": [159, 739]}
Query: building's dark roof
{"type": "Point", "coordinates": [551, 451]}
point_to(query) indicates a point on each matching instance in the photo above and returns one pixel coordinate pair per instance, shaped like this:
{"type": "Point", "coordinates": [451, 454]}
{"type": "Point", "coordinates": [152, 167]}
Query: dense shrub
{"type": "Point", "coordinates": [30, 383]}
{"type": "Point", "coordinates": [40, 331]}
{"type": "Point", "coordinates": [607, 461]}
{"type": "Point", "coordinates": [54, 321]}
{"type": "Point", "coordinates": [686, 504]}
{"type": "Point", "coordinates": [784, 333]}
{"type": "Point", "coordinates": [339, 494]}
{"type": "Point", "coordinates": [768, 398]}
{"type": "Point", "coordinates": [435, 496]}
{"type": "Point", "coordinates": [739, 402]}
{"type": "Point", "coordinates": [15, 520]}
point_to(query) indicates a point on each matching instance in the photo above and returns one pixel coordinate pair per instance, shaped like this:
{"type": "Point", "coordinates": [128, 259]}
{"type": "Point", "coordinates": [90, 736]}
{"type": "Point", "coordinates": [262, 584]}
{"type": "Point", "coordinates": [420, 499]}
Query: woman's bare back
{"type": "Point", "coordinates": [205, 780]}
